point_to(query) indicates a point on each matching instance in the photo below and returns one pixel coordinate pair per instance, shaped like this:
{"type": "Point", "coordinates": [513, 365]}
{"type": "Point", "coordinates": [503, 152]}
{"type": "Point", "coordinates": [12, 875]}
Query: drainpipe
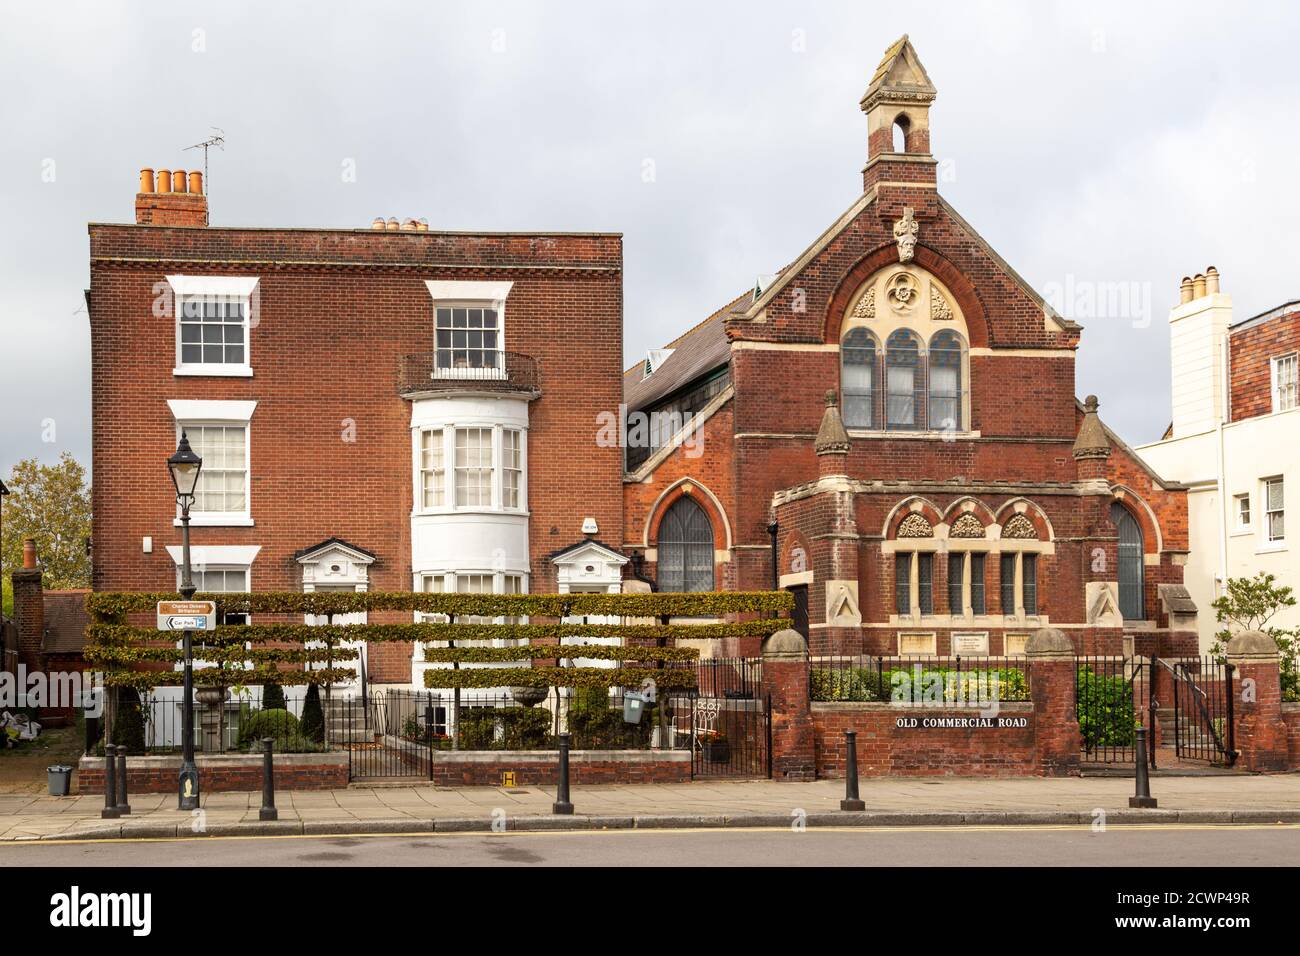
{"type": "Point", "coordinates": [1223, 413]}
{"type": "Point", "coordinates": [776, 569]}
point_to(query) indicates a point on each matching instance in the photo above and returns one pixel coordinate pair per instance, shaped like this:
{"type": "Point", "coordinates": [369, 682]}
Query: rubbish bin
{"type": "Point", "coordinates": [60, 779]}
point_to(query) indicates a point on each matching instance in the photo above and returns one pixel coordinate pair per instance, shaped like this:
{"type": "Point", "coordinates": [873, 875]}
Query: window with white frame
{"type": "Point", "coordinates": [473, 582]}
{"type": "Point", "coordinates": [473, 467]}
{"type": "Point", "coordinates": [1274, 510]}
{"type": "Point", "coordinates": [1286, 382]}
{"type": "Point", "coordinates": [467, 337]}
{"type": "Point", "coordinates": [214, 318]}
{"type": "Point", "coordinates": [512, 463]}
{"type": "Point", "coordinates": [213, 331]}
{"type": "Point", "coordinates": [433, 474]}
{"type": "Point", "coordinates": [219, 581]}
{"type": "Point", "coordinates": [1241, 512]}
{"type": "Point", "coordinates": [223, 479]}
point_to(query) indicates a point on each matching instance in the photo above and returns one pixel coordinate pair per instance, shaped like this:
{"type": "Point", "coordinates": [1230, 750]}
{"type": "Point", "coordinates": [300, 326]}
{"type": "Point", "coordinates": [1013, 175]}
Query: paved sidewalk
{"type": "Point", "coordinates": [890, 802]}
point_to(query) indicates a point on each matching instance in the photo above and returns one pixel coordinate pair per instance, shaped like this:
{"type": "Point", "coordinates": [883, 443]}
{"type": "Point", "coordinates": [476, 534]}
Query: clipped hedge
{"type": "Point", "coordinates": [673, 678]}
{"type": "Point", "coordinates": [113, 605]}
{"type": "Point", "coordinates": [221, 677]}
{"type": "Point", "coordinates": [599, 652]}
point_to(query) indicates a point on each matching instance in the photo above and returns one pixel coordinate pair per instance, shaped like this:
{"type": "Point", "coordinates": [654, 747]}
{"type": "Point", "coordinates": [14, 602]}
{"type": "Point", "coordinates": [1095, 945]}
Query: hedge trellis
{"type": "Point", "coordinates": [254, 653]}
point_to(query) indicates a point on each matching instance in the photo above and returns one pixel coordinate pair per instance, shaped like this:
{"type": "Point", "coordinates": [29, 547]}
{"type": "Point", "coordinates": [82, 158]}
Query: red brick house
{"type": "Point", "coordinates": [387, 407]}
{"type": "Point", "coordinates": [889, 427]}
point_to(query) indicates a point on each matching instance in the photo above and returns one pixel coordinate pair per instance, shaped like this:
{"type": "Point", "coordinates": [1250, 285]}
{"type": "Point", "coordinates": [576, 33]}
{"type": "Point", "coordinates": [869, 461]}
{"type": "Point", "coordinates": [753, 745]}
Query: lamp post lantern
{"type": "Point", "coordinates": [184, 466]}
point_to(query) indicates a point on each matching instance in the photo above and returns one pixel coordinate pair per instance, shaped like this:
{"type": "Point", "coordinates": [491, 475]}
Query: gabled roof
{"type": "Point", "coordinates": [900, 70]}
{"type": "Point", "coordinates": [360, 554]}
{"type": "Point", "coordinates": [65, 621]}
{"type": "Point", "coordinates": [755, 307]}
{"type": "Point", "coordinates": [570, 554]}
{"type": "Point", "coordinates": [695, 353]}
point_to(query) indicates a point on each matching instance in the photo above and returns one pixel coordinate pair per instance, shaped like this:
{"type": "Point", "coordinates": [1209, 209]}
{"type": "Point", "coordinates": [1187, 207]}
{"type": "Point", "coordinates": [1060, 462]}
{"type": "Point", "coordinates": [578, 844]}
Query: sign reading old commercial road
{"type": "Point", "coordinates": [187, 615]}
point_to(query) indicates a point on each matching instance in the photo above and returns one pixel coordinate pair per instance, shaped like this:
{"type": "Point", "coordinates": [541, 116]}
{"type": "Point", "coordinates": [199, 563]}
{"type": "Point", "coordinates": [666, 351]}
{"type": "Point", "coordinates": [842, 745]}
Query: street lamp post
{"type": "Point", "coordinates": [184, 466]}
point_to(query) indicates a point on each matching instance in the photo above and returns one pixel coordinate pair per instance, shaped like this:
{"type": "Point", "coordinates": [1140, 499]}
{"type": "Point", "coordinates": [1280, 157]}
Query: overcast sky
{"type": "Point", "coordinates": [1097, 147]}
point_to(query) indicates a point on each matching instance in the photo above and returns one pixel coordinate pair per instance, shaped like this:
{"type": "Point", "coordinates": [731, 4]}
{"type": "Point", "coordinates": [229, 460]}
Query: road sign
{"type": "Point", "coordinates": [187, 615]}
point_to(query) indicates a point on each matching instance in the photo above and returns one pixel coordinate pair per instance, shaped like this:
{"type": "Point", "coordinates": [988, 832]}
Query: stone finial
{"type": "Point", "coordinates": [1091, 442]}
{"type": "Point", "coordinates": [1049, 642]}
{"type": "Point", "coordinates": [1252, 644]}
{"type": "Point", "coordinates": [832, 439]}
{"type": "Point", "coordinates": [787, 644]}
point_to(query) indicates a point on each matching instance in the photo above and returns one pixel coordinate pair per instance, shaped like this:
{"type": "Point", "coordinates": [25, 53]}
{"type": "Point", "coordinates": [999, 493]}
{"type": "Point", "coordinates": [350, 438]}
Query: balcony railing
{"type": "Point", "coordinates": [420, 373]}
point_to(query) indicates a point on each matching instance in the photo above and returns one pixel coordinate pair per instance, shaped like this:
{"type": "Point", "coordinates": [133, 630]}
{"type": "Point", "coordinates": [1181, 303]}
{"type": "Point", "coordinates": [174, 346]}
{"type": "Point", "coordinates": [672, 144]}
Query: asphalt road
{"type": "Point", "coordinates": [1235, 846]}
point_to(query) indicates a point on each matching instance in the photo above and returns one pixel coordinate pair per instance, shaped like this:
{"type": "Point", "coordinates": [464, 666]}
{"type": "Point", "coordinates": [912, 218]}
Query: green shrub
{"type": "Point", "coordinates": [313, 718]}
{"type": "Point", "coordinates": [279, 724]}
{"type": "Point", "coordinates": [273, 697]}
{"type": "Point", "coordinates": [128, 722]}
{"type": "Point", "coordinates": [1105, 710]}
{"type": "Point", "coordinates": [848, 684]}
{"type": "Point", "coordinates": [522, 728]}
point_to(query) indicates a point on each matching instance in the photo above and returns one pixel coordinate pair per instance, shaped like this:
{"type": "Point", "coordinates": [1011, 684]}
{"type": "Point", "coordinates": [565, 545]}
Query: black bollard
{"type": "Point", "coordinates": [268, 811]}
{"type": "Point", "coordinates": [123, 800]}
{"type": "Point", "coordinates": [110, 811]}
{"type": "Point", "coordinates": [1143, 800]}
{"type": "Point", "coordinates": [562, 804]}
{"type": "Point", "coordinates": [851, 800]}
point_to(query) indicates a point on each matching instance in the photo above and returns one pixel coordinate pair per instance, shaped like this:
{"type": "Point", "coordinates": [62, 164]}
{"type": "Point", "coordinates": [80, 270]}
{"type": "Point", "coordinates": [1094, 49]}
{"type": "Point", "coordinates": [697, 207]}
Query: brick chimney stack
{"type": "Point", "coordinates": [171, 198]}
{"type": "Point", "coordinates": [29, 608]}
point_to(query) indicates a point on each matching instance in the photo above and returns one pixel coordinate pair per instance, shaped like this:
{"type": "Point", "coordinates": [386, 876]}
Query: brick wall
{"type": "Point", "coordinates": [905, 741]}
{"type": "Point", "coordinates": [221, 774]}
{"type": "Point", "coordinates": [541, 769]}
{"type": "Point", "coordinates": [1252, 349]}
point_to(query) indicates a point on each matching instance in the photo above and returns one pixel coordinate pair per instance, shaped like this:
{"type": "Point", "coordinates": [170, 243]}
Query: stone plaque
{"type": "Point", "coordinates": [916, 643]}
{"type": "Point", "coordinates": [1014, 644]}
{"type": "Point", "coordinates": [970, 642]}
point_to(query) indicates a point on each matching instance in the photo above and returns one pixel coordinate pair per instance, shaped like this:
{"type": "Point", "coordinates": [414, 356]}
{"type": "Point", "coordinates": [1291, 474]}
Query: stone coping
{"type": "Point", "coordinates": [551, 756]}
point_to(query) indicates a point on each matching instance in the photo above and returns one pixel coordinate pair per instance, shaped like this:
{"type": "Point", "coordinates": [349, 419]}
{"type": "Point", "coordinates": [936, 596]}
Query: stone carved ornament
{"type": "Point", "coordinates": [915, 526]}
{"type": "Point", "coordinates": [903, 292]}
{"type": "Point", "coordinates": [905, 232]}
{"type": "Point", "coordinates": [967, 526]}
{"type": "Point", "coordinates": [1019, 527]}
{"type": "Point", "coordinates": [940, 310]}
{"type": "Point", "coordinates": [866, 307]}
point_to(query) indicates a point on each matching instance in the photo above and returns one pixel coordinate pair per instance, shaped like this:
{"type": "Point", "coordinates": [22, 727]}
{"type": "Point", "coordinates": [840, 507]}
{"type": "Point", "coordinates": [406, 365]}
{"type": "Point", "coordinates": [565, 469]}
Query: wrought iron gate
{"type": "Point", "coordinates": [387, 735]}
{"type": "Point", "coordinates": [1112, 697]}
{"type": "Point", "coordinates": [1202, 717]}
{"type": "Point", "coordinates": [726, 721]}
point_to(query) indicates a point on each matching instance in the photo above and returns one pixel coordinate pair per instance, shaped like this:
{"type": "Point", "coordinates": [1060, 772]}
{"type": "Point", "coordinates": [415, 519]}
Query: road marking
{"type": "Point", "coordinates": [666, 831]}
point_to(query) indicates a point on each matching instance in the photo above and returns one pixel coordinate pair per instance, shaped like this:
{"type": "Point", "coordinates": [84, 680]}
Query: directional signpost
{"type": "Point", "coordinates": [188, 617]}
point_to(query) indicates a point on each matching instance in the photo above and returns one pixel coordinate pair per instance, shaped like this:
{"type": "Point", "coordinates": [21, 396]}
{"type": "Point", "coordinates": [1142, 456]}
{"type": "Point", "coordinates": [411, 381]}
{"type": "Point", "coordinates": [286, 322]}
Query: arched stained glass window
{"type": "Point", "coordinates": [685, 548]}
{"type": "Point", "coordinates": [945, 406]}
{"type": "Point", "coordinates": [904, 382]}
{"type": "Point", "coordinates": [858, 378]}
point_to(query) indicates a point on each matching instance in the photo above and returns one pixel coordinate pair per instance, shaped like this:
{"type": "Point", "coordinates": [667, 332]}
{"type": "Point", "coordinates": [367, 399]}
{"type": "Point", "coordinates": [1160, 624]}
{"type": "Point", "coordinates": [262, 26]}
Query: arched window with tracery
{"type": "Point", "coordinates": [685, 548]}
{"type": "Point", "coordinates": [904, 382]}
{"type": "Point", "coordinates": [858, 378]}
{"type": "Point", "coordinates": [946, 405]}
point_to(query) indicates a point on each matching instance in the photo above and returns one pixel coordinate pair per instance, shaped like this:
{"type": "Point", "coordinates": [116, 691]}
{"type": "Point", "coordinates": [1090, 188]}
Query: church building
{"type": "Point", "coordinates": [889, 428]}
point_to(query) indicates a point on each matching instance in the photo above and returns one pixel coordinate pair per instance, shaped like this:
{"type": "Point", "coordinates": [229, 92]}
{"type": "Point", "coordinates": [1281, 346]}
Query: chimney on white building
{"type": "Point", "coordinates": [1198, 328]}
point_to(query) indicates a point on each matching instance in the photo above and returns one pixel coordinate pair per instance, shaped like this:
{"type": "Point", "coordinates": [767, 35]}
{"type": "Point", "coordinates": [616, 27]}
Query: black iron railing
{"type": "Point", "coordinates": [422, 372]}
{"type": "Point", "coordinates": [956, 680]}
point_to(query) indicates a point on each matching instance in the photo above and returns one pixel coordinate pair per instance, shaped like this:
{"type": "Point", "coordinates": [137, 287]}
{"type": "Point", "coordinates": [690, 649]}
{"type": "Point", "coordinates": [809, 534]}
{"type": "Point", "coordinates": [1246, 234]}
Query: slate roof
{"type": "Point", "coordinates": [696, 353]}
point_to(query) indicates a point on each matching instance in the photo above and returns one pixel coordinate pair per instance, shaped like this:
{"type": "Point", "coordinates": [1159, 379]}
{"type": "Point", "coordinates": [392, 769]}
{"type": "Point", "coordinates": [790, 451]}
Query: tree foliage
{"type": "Point", "coordinates": [50, 503]}
{"type": "Point", "coordinates": [1249, 605]}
